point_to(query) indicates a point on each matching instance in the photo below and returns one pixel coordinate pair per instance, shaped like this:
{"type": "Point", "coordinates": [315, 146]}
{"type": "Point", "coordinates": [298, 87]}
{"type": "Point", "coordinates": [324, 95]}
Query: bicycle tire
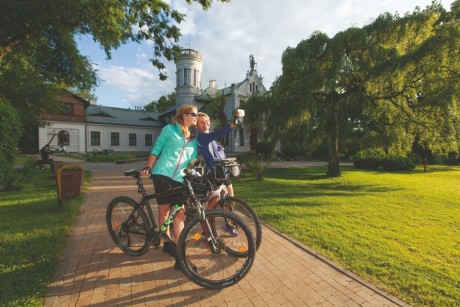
{"type": "Point", "coordinates": [216, 270]}
{"type": "Point", "coordinates": [245, 212]}
{"type": "Point", "coordinates": [128, 225]}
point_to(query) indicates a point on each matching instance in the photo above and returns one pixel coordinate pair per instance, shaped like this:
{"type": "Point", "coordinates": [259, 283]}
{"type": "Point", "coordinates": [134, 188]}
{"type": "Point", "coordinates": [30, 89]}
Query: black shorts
{"type": "Point", "coordinates": [227, 182]}
{"type": "Point", "coordinates": [163, 184]}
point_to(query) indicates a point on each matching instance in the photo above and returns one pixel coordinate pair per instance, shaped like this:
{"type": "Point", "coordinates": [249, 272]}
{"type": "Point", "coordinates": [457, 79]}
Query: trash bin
{"type": "Point", "coordinates": [69, 179]}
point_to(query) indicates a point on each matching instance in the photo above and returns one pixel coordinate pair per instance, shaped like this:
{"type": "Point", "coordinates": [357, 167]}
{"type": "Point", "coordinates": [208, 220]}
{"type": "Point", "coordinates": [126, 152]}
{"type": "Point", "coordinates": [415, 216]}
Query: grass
{"type": "Point", "coordinates": [400, 231]}
{"type": "Point", "coordinates": [23, 159]}
{"type": "Point", "coordinates": [33, 233]}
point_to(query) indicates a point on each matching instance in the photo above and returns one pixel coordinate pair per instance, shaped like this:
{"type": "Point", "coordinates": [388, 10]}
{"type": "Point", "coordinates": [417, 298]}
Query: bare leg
{"type": "Point", "coordinates": [230, 190]}
{"type": "Point", "coordinates": [178, 225]}
{"type": "Point", "coordinates": [212, 203]}
{"type": "Point", "coordinates": [163, 213]}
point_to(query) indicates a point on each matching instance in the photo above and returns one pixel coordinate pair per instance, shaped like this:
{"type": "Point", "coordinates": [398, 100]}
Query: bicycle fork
{"type": "Point", "coordinates": [211, 241]}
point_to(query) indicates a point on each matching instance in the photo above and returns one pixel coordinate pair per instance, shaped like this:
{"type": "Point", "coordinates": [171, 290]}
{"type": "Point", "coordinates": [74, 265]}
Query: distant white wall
{"type": "Point", "coordinates": [124, 131]}
{"type": "Point", "coordinates": [76, 136]}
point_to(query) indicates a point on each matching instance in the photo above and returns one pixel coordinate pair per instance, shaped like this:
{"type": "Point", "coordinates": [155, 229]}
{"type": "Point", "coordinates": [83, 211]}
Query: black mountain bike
{"type": "Point", "coordinates": [209, 254]}
{"type": "Point", "coordinates": [210, 185]}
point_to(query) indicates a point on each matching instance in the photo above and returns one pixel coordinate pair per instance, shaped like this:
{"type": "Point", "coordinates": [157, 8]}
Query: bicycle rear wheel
{"type": "Point", "coordinates": [245, 212]}
{"type": "Point", "coordinates": [128, 225]}
{"type": "Point", "coordinates": [221, 268]}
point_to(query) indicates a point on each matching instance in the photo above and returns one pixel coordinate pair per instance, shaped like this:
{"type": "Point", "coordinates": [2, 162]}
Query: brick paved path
{"type": "Point", "coordinates": [94, 272]}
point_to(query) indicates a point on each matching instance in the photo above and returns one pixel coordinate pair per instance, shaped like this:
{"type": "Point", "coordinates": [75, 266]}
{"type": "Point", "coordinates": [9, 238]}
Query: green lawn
{"type": "Point", "coordinates": [33, 232]}
{"type": "Point", "coordinates": [400, 231]}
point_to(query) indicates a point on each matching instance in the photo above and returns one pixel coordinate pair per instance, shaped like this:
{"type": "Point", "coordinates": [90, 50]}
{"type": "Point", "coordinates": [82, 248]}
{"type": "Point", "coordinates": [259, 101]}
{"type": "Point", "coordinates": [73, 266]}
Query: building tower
{"type": "Point", "coordinates": [189, 70]}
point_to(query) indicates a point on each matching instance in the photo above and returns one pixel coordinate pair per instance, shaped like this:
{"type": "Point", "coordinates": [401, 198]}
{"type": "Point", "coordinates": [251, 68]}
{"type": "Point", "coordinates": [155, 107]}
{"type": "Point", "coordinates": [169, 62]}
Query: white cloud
{"type": "Point", "coordinates": [228, 33]}
{"type": "Point", "coordinates": [138, 85]}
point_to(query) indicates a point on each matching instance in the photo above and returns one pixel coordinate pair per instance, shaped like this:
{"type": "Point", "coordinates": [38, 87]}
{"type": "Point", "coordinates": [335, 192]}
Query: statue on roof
{"type": "Point", "coordinates": [252, 62]}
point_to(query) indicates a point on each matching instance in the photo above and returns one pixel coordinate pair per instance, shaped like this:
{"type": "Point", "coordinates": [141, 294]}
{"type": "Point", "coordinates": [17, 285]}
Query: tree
{"type": "Point", "coordinates": [110, 22]}
{"type": "Point", "coordinates": [10, 128]}
{"type": "Point", "coordinates": [39, 55]}
{"type": "Point", "coordinates": [162, 104]}
{"type": "Point", "coordinates": [392, 80]}
{"type": "Point", "coordinates": [215, 108]}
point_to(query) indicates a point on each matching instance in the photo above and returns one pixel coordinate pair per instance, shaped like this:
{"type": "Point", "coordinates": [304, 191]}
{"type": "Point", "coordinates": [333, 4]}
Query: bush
{"type": "Point", "coordinates": [265, 150]}
{"type": "Point", "coordinates": [367, 163]}
{"type": "Point", "coordinates": [294, 150]}
{"type": "Point", "coordinates": [257, 166]}
{"type": "Point", "coordinates": [10, 130]}
{"type": "Point", "coordinates": [452, 158]}
{"type": "Point", "coordinates": [109, 158]}
{"type": "Point", "coordinates": [397, 164]}
{"type": "Point", "coordinates": [415, 158]}
{"type": "Point", "coordinates": [16, 178]}
{"type": "Point", "coordinates": [390, 164]}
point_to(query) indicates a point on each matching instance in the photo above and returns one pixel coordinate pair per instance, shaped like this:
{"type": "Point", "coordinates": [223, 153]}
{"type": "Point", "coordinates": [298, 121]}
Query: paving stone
{"type": "Point", "coordinates": [285, 273]}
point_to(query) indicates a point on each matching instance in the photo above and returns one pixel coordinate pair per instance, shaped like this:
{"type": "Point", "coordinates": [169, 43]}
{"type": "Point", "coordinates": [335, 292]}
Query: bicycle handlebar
{"type": "Point", "coordinates": [188, 173]}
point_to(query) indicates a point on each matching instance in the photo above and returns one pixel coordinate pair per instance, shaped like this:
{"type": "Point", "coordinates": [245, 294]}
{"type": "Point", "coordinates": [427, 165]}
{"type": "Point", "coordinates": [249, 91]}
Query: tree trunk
{"type": "Point", "coordinates": [333, 168]}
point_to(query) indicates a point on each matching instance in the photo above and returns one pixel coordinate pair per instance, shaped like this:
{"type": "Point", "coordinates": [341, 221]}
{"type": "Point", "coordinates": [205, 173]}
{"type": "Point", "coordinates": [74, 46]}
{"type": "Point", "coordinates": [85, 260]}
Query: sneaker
{"type": "Point", "coordinates": [231, 230]}
{"type": "Point", "coordinates": [170, 249]}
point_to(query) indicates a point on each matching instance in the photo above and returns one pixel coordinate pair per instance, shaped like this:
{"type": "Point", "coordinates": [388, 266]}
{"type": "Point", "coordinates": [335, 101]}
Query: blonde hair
{"type": "Point", "coordinates": [179, 118]}
{"type": "Point", "coordinates": [201, 114]}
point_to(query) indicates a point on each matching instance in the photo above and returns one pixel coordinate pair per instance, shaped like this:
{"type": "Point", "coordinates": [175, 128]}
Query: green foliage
{"type": "Point", "coordinates": [397, 164]}
{"type": "Point", "coordinates": [294, 150]}
{"type": "Point", "coordinates": [257, 166]}
{"type": "Point", "coordinates": [398, 231]}
{"type": "Point", "coordinates": [109, 158]}
{"type": "Point", "coordinates": [50, 26]}
{"type": "Point", "coordinates": [265, 150]}
{"type": "Point", "coordinates": [162, 104]}
{"type": "Point", "coordinates": [453, 158]}
{"type": "Point", "coordinates": [10, 130]}
{"type": "Point", "coordinates": [38, 49]}
{"type": "Point", "coordinates": [216, 109]}
{"type": "Point", "coordinates": [367, 163]}
{"type": "Point", "coordinates": [385, 85]}
{"type": "Point", "coordinates": [17, 178]}
{"type": "Point", "coordinates": [375, 161]}
{"type": "Point", "coordinates": [33, 233]}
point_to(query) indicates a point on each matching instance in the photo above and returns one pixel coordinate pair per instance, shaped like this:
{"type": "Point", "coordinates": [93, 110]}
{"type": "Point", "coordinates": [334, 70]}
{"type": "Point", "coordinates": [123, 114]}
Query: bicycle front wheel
{"type": "Point", "coordinates": [245, 212]}
{"type": "Point", "coordinates": [128, 225]}
{"type": "Point", "coordinates": [222, 267]}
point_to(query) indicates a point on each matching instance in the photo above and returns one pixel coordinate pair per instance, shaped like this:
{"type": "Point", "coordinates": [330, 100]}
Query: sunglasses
{"type": "Point", "coordinates": [191, 113]}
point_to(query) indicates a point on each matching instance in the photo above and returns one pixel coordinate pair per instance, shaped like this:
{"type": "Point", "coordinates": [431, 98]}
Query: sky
{"type": "Point", "coordinates": [226, 35]}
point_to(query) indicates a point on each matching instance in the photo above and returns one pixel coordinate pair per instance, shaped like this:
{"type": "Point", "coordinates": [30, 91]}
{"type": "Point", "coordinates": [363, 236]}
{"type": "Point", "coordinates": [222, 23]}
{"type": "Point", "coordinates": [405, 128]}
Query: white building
{"type": "Point", "coordinates": [188, 90]}
{"type": "Point", "coordinates": [82, 127]}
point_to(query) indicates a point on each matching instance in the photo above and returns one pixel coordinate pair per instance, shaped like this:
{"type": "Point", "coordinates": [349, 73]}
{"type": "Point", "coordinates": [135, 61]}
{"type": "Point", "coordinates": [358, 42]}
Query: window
{"type": "Point", "coordinates": [132, 139]}
{"type": "Point", "coordinates": [241, 130]}
{"type": "Point", "coordinates": [194, 77]}
{"type": "Point", "coordinates": [250, 87]}
{"type": "Point", "coordinates": [185, 76]}
{"type": "Point", "coordinates": [63, 138]}
{"type": "Point", "coordinates": [95, 138]}
{"type": "Point", "coordinates": [115, 138]}
{"type": "Point", "coordinates": [67, 109]}
{"type": "Point", "coordinates": [148, 140]}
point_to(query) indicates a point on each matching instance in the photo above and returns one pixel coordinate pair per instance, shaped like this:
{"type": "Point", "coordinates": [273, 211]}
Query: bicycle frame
{"type": "Point", "coordinates": [191, 200]}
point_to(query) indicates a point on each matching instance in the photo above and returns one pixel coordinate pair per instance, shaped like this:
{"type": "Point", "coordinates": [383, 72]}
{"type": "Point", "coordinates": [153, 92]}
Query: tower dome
{"type": "Point", "coordinates": [189, 69]}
